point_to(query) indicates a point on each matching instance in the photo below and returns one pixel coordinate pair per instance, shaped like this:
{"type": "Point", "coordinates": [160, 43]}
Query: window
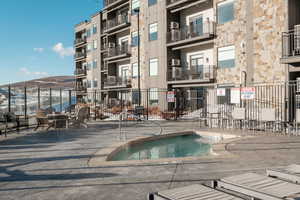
{"type": "Point", "coordinates": [135, 97]}
{"type": "Point", "coordinates": [134, 39]}
{"type": "Point", "coordinates": [88, 33]}
{"type": "Point", "coordinates": [153, 67]}
{"type": "Point", "coordinates": [135, 71]}
{"type": "Point", "coordinates": [151, 2]}
{"type": "Point", "coordinates": [95, 83]}
{"type": "Point", "coordinates": [134, 4]}
{"type": "Point", "coordinates": [94, 29]}
{"type": "Point", "coordinates": [153, 96]}
{"type": "Point", "coordinates": [153, 32]}
{"type": "Point", "coordinates": [89, 65]}
{"type": "Point", "coordinates": [226, 11]}
{"type": "Point", "coordinates": [89, 47]}
{"type": "Point", "coordinates": [95, 64]}
{"type": "Point", "coordinates": [226, 57]}
{"type": "Point", "coordinates": [89, 84]}
{"type": "Point", "coordinates": [95, 42]}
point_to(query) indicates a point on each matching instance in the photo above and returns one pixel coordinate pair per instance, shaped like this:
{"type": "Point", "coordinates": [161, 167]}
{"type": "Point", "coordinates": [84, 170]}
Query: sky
{"type": "Point", "coordinates": [36, 37]}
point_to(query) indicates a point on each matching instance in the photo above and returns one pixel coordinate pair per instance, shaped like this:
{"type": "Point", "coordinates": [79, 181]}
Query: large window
{"type": "Point", "coordinates": [95, 64]}
{"type": "Point", "coordinates": [152, 2]}
{"type": "Point", "coordinates": [226, 11]}
{"type": "Point", "coordinates": [94, 29]}
{"type": "Point", "coordinates": [134, 5]}
{"type": "Point", "coordinates": [153, 32]}
{"type": "Point", "coordinates": [153, 67]}
{"type": "Point", "coordinates": [135, 71]}
{"type": "Point", "coordinates": [89, 65]}
{"type": "Point", "coordinates": [88, 33]}
{"type": "Point", "coordinates": [95, 83]}
{"type": "Point", "coordinates": [153, 96]}
{"type": "Point", "coordinates": [95, 44]}
{"type": "Point", "coordinates": [226, 57]}
{"type": "Point", "coordinates": [134, 39]}
{"type": "Point", "coordinates": [89, 47]}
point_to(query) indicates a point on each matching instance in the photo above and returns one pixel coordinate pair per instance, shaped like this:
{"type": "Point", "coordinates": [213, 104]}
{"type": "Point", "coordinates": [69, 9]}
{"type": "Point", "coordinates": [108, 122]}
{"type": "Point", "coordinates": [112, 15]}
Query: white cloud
{"type": "Point", "coordinates": [63, 51]}
{"type": "Point", "coordinates": [26, 71]}
{"type": "Point", "coordinates": [39, 50]}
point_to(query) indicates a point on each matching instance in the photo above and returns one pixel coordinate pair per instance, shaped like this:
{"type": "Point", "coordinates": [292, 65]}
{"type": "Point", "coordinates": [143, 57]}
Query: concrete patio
{"type": "Point", "coordinates": [54, 165]}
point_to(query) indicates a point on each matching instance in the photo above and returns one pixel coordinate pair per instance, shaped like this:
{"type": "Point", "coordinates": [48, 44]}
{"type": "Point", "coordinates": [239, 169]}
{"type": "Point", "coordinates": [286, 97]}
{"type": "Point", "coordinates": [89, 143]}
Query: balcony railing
{"type": "Point", "coordinates": [81, 88]}
{"type": "Point", "coordinates": [79, 55]}
{"type": "Point", "coordinates": [191, 31]}
{"type": "Point", "coordinates": [79, 72]}
{"type": "Point", "coordinates": [119, 50]}
{"type": "Point", "coordinates": [109, 2]}
{"type": "Point", "coordinates": [78, 41]}
{"type": "Point", "coordinates": [113, 81]}
{"type": "Point", "coordinates": [169, 2]}
{"type": "Point", "coordinates": [192, 73]}
{"type": "Point", "coordinates": [117, 21]}
{"type": "Point", "coordinates": [291, 44]}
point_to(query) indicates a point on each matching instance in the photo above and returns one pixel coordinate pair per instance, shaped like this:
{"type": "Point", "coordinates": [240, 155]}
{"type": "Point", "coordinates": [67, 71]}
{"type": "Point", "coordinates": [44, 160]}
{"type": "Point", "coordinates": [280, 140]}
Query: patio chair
{"type": "Point", "coordinates": [81, 116]}
{"type": "Point", "coordinates": [191, 192]}
{"type": "Point", "coordinates": [2, 124]}
{"type": "Point", "coordinates": [290, 173]}
{"type": "Point", "coordinates": [42, 120]}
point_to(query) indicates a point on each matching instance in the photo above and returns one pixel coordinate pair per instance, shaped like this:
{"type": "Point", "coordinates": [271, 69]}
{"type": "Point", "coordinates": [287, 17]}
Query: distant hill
{"type": "Point", "coordinates": [54, 82]}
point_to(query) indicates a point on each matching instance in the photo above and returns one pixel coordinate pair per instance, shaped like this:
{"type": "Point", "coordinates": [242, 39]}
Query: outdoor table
{"type": "Point", "coordinates": [60, 120]}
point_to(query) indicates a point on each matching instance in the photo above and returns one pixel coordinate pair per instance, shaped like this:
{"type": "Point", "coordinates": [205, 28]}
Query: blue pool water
{"type": "Point", "coordinates": [172, 147]}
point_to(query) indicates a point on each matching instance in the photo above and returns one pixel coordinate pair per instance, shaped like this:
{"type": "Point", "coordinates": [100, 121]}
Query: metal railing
{"type": "Point", "coordinates": [119, 50]}
{"type": "Point", "coordinates": [119, 20]}
{"type": "Point", "coordinates": [290, 44]}
{"type": "Point", "coordinates": [79, 72]}
{"type": "Point", "coordinates": [191, 31]}
{"type": "Point", "coordinates": [108, 2]}
{"type": "Point", "coordinates": [79, 40]}
{"type": "Point", "coordinates": [117, 81]}
{"type": "Point", "coordinates": [79, 55]}
{"type": "Point", "coordinates": [192, 72]}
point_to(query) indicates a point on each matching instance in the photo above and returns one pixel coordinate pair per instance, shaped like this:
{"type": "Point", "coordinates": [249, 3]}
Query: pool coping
{"type": "Point", "coordinates": [218, 150]}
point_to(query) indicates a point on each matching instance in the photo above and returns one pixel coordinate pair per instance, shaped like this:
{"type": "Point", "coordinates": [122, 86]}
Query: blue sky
{"type": "Point", "coordinates": [36, 37]}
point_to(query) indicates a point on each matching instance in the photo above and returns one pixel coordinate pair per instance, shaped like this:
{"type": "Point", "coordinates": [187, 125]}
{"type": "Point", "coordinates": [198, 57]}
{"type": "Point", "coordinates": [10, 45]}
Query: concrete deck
{"type": "Point", "coordinates": [54, 165]}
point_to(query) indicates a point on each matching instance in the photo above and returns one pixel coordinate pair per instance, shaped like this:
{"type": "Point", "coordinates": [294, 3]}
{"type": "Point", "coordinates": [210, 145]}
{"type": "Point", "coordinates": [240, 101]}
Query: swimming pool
{"type": "Point", "coordinates": [169, 147]}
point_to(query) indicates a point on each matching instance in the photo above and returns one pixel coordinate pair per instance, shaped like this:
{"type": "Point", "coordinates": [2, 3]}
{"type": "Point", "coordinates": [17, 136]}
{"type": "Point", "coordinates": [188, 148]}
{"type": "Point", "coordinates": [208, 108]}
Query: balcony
{"type": "Point", "coordinates": [291, 47]}
{"type": "Point", "coordinates": [117, 82]}
{"type": "Point", "coordinates": [79, 41]}
{"type": "Point", "coordinates": [183, 4]}
{"type": "Point", "coordinates": [191, 74]}
{"type": "Point", "coordinates": [111, 3]}
{"type": "Point", "coordinates": [79, 55]}
{"type": "Point", "coordinates": [118, 52]}
{"type": "Point", "coordinates": [81, 90]}
{"type": "Point", "coordinates": [119, 22]}
{"type": "Point", "coordinates": [80, 72]}
{"type": "Point", "coordinates": [191, 34]}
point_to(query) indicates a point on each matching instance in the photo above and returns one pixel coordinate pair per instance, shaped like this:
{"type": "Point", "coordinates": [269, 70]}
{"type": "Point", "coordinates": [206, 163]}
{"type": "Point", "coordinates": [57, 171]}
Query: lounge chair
{"type": "Point", "coordinates": [192, 192]}
{"type": "Point", "coordinates": [291, 173]}
{"type": "Point", "coordinates": [81, 116]}
{"type": "Point", "coordinates": [42, 120]}
{"type": "Point", "coordinates": [258, 186]}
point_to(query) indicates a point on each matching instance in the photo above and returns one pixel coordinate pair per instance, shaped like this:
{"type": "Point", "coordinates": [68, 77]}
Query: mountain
{"type": "Point", "coordinates": [55, 82]}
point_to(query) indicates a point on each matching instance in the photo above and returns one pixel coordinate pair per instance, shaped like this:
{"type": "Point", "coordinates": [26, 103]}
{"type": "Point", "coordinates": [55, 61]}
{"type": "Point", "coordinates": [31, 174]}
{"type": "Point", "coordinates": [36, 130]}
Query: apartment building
{"type": "Point", "coordinates": [187, 45]}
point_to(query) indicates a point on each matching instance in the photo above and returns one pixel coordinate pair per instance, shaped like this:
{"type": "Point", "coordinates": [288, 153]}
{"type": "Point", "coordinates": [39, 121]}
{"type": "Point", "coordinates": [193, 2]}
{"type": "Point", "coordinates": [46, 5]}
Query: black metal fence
{"type": "Point", "coordinates": [259, 107]}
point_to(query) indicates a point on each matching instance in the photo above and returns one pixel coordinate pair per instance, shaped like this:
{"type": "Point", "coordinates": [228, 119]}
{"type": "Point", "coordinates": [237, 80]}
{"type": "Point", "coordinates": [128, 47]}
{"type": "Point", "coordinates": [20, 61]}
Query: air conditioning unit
{"type": "Point", "coordinates": [111, 45]}
{"type": "Point", "coordinates": [298, 84]}
{"type": "Point", "coordinates": [175, 35]}
{"type": "Point", "coordinates": [176, 72]}
{"type": "Point", "coordinates": [174, 25]}
{"type": "Point", "coordinates": [111, 79]}
{"type": "Point", "coordinates": [175, 62]}
{"type": "Point", "coordinates": [297, 39]}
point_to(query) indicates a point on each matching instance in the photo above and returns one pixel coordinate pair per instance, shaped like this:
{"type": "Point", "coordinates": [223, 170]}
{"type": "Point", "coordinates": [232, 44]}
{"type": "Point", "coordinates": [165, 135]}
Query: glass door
{"type": "Point", "coordinates": [196, 25]}
{"type": "Point", "coordinates": [197, 66]}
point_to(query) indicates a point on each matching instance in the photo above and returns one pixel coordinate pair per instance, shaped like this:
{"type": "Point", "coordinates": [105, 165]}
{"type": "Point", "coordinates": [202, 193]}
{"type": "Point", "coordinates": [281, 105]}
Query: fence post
{"type": "Point", "coordinates": [70, 99]}
{"type": "Point", "coordinates": [9, 98]}
{"type": "Point", "coordinates": [39, 98]}
{"type": "Point", "coordinates": [147, 97]}
{"type": "Point", "coordinates": [25, 102]}
{"type": "Point", "coordinates": [95, 104]}
{"type": "Point", "coordinates": [50, 97]}
{"type": "Point", "coordinates": [60, 100]}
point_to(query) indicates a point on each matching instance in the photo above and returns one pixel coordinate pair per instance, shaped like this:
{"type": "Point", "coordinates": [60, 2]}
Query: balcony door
{"type": "Point", "coordinates": [124, 72]}
{"type": "Point", "coordinates": [197, 66]}
{"type": "Point", "coordinates": [123, 43]}
{"type": "Point", "coordinates": [196, 25]}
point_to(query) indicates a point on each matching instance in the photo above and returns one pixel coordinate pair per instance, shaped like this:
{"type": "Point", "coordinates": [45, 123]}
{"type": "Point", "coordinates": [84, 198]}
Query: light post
{"type": "Point", "coordinates": [137, 11]}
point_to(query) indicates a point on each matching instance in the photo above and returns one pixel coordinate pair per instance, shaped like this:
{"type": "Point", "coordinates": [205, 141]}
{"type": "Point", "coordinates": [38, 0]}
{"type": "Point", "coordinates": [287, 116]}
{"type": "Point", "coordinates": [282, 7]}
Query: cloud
{"type": "Point", "coordinates": [63, 51]}
{"type": "Point", "coordinates": [26, 71]}
{"type": "Point", "coordinates": [39, 50]}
